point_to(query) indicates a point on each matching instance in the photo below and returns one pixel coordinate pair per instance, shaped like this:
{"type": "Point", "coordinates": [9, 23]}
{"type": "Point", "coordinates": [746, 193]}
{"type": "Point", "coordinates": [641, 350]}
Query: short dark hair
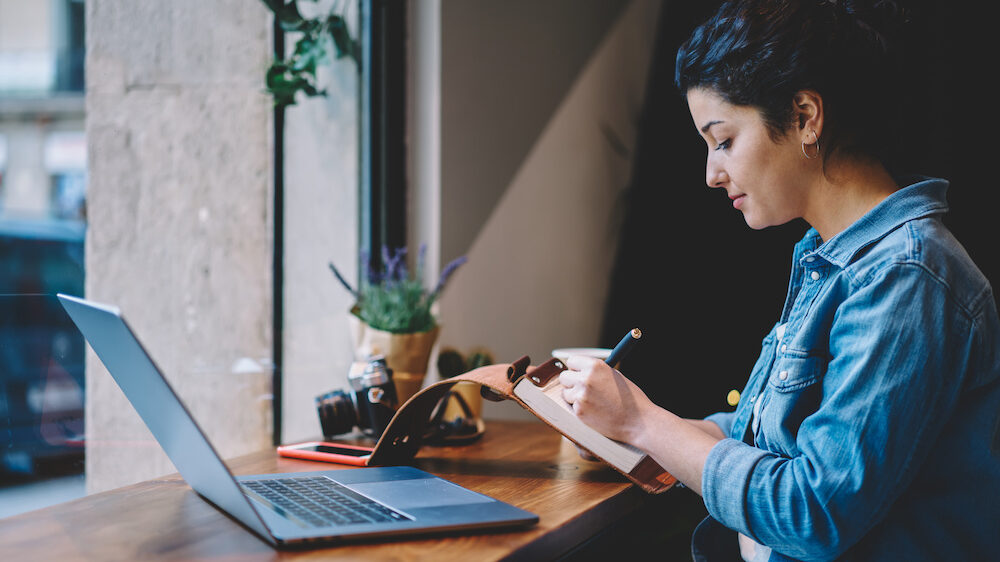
{"type": "Point", "coordinates": [759, 53]}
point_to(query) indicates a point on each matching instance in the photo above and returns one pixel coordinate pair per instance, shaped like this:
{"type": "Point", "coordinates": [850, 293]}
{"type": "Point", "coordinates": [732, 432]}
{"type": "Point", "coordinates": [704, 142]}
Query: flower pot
{"type": "Point", "coordinates": [406, 354]}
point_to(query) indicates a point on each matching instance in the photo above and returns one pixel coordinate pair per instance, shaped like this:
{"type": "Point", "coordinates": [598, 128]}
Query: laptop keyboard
{"type": "Point", "coordinates": [318, 501]}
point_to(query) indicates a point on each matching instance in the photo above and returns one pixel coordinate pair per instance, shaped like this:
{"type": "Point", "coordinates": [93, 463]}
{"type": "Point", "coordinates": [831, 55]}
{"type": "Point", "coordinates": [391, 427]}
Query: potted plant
{"type": "Point", "coordinates": [393, 315]}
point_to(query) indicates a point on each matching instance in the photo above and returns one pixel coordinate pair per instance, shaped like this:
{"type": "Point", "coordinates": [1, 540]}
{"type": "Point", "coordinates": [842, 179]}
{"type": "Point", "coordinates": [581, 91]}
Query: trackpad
{"type": "Point", "coordinates": [421, 492]}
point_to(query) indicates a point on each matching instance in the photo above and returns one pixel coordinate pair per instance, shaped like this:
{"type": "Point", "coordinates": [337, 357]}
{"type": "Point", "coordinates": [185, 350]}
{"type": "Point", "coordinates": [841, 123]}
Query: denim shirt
{"type": "Point", "coordinates": [879, 412]}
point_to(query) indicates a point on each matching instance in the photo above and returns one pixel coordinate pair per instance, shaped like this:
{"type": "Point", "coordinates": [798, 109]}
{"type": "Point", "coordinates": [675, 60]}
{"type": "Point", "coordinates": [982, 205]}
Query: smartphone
{"type": "Point", "coordinates": [329, 452]}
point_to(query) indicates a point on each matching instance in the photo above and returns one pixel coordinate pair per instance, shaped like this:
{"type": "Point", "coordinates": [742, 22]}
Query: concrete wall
{"type": "Point", "coordinates": [179, 236]}
{"type": "Point", "coordinates": [538, 106]}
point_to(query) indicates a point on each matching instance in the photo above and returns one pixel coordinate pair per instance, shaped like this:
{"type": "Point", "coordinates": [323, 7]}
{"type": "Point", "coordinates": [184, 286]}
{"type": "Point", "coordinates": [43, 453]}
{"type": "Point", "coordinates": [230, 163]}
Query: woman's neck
{"type": "Point", "coordinates": [844, 192]}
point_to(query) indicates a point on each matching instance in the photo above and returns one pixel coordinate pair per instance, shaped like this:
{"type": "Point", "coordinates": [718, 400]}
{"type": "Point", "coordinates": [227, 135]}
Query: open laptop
{"type": "Point", "coordinates": [288, 509]}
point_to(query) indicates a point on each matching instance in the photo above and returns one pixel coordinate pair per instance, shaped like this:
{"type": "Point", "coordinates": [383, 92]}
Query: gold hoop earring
{"type": "Point", "coordinates": [806, 154]}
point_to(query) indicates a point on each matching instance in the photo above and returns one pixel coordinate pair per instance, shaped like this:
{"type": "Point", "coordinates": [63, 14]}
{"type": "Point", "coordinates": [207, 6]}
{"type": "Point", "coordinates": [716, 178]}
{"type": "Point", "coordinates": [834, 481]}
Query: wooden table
{"type": "Point", "coordinates": [583, 508]}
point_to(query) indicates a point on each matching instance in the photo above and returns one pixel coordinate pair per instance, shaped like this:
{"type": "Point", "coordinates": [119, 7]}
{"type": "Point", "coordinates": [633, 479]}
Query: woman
{"type": "Point", "coordinates": [869, 428]}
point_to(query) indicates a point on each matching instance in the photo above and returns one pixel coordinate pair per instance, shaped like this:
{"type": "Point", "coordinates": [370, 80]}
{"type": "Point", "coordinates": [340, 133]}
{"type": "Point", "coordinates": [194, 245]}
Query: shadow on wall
{"type": "Point", "coordinates": [706, 289]}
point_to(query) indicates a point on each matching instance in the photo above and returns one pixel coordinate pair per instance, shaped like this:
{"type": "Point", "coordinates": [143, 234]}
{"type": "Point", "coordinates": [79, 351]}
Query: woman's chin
{"type": "Point", "coordinates": [753, 223]}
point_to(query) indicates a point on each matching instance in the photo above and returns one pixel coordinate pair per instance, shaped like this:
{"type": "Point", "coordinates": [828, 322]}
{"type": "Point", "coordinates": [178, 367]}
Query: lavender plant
{"type": "Point", "coordinates": [393, 300]}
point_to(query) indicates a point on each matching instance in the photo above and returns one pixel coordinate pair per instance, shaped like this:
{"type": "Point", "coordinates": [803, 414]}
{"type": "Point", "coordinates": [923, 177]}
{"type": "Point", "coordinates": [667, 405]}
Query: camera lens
{"type": "Point", "coordinates": [337, 413]}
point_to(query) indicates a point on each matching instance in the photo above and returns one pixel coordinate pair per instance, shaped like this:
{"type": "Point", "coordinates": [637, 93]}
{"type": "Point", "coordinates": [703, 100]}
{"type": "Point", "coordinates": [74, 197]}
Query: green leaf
{"type": "Point", "coordinates": [285, 78]}
{"type": "Point", "coordinates": [479, 358]}
{"type": "Point", "coordinates": [341, 37]}
{"type": "Point", "coordinates": [309, 52]}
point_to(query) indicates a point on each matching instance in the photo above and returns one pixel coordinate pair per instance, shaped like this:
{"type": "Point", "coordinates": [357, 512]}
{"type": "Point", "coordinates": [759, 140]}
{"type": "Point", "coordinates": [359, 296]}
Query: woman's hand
{"type": "Point", "coordinates": [603, 398]}
{"type": "Point", "coordinates": [608, 402]}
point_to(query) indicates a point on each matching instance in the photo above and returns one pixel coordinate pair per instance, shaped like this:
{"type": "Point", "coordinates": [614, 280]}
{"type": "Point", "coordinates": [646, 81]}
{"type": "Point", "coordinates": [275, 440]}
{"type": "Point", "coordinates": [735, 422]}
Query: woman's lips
{"type": "Point", "coordinates": [738, 200]}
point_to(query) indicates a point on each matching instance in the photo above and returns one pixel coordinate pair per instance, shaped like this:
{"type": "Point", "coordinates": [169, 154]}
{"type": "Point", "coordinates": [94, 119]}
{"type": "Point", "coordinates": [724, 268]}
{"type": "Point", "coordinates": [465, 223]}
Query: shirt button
{"type": "Point", "coordinates": [783, 347]}
{"type": "Point", "coordinates": [810, 259]}
{"type": "Point", "coordinates": [814, 275]}
{"type": "Point", "coordinates": [783, 375]}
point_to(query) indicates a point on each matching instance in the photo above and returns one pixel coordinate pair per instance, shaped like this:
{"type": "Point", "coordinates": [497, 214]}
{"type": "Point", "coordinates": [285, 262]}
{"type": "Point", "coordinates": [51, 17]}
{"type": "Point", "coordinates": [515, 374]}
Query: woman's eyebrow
{"type": "Point", "coordinates": [708, 125]}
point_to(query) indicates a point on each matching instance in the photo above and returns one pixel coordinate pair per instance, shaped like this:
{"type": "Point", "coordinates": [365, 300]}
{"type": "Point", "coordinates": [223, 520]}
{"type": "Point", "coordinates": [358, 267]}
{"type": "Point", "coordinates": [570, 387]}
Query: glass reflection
{"type": "Point", "coordinates": [43, 178]}
{"type": "Point", "coordinates": [41, 393]}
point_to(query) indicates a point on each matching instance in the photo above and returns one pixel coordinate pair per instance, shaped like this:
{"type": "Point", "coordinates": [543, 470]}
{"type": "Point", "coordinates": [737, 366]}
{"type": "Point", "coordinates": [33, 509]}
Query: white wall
{"type": "Point", "coordinates": [321, 226]}
{"type": "Point", "coordinates": [539, 258]}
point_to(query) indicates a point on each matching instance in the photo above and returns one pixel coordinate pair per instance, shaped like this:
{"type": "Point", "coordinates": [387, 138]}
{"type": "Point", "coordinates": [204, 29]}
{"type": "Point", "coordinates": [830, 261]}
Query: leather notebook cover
{"type": "Point", "coordinates": [403, 437]}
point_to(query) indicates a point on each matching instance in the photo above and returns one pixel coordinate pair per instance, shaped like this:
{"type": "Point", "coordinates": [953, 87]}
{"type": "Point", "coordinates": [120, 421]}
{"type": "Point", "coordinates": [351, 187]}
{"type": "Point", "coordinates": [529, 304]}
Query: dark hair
{"type": "Point", "coordinates": [759, 53]}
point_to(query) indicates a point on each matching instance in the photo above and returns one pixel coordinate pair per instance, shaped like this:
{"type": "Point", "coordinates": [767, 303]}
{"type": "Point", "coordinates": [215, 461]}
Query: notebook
{"type": "Point", "coordinates": [289, 509]}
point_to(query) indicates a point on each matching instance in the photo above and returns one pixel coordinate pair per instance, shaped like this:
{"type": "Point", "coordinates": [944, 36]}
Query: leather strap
{"type": "Point", "coordinates": [403, 437]}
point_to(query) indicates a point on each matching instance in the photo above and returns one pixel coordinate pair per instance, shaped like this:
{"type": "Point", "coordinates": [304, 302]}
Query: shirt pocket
{"type": "Point", "coordinates": [795, 370]}
{"type": "Point", "coordinates": [793, 393]}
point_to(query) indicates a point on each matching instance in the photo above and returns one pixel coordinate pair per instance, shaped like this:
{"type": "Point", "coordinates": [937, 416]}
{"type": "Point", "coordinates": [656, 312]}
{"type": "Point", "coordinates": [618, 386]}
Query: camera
{"type": "Point", "coordinates": [369, 405]}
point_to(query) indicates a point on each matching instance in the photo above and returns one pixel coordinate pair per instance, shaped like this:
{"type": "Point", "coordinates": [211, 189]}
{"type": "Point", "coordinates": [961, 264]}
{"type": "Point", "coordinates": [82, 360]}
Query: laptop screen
{"type": "Point", "coordinates": [160, 408]}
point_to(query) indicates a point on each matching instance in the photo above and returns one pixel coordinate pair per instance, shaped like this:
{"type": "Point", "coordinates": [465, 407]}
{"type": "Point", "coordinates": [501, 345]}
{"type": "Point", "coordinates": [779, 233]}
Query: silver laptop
{"type": "Point", "coordinates": [287, 509]}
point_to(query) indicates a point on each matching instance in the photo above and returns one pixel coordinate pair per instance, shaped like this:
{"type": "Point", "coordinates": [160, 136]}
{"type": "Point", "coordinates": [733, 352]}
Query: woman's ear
{"type": "Point", "coordinates": [808, 110]}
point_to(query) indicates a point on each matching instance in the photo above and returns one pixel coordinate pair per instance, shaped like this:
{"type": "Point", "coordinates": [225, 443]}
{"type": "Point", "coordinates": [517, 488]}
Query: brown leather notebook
{"type": "Point", "coordinates": [535, 389]}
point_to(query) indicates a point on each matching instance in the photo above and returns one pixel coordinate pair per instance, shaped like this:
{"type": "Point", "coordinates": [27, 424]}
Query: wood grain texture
{"type": "Point", "coordinates": [526, 464]}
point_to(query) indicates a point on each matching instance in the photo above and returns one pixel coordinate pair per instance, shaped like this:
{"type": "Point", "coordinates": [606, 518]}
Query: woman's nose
{"type": "Point", "coordinates": [715, 176]}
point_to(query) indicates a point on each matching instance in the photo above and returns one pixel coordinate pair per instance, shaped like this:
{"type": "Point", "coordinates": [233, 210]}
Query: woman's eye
{"type": "Point", "coordinates": [724, 145]}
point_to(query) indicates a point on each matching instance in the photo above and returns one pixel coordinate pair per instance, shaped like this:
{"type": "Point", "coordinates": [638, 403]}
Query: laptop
{"type": "Point", "coordinates": [286, 509]}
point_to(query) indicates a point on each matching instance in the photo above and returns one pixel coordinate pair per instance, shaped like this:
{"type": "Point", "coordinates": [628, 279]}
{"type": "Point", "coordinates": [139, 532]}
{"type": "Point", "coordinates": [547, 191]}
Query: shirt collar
{"type": "Point", "coordinates": [922, 197]}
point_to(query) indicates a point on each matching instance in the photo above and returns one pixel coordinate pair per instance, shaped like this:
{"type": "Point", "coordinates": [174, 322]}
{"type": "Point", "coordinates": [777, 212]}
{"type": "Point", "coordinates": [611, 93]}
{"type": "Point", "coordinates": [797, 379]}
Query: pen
{"type": "Point", "coordinates": [623, 347]}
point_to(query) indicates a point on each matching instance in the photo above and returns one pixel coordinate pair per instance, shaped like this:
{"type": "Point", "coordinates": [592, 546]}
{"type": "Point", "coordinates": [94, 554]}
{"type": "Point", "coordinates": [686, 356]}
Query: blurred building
{"type": "Point", "coordinates": [43, 177]}
{"type": "Point", "coordinates": [42, 146]}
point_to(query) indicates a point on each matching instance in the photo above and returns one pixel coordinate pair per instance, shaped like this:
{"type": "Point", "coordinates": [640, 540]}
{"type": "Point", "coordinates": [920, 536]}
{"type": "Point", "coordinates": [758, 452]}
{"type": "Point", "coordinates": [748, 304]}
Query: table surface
{"type": "Point", "coordinates": [526, 464]}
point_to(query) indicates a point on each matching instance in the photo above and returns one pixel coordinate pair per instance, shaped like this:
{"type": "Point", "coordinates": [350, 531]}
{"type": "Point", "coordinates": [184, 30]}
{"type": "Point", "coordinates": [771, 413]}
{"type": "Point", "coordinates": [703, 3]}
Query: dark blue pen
{"type": "Point", "coordinates": [623, 347]}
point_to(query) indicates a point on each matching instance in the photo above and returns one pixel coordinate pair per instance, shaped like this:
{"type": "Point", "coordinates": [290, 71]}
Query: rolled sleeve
{"type": "Point", "coordinates": [725, 479]}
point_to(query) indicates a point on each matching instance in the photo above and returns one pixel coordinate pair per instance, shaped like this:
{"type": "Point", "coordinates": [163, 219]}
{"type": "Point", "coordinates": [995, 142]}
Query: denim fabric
{"type": "Point", "coordinates": [879, 429]}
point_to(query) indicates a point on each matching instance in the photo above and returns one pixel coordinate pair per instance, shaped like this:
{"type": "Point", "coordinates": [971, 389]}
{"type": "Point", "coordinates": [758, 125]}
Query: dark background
{"type": "Point", "coordinates": [705, 288]}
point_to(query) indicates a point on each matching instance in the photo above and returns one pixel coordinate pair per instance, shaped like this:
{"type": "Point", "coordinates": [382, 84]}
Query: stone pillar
{"type": "Point", "coordinates": [179, 219]}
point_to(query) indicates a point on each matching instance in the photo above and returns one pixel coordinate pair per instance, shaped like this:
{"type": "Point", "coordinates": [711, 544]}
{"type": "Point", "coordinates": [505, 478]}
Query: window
{"type": "Point", "coordinates": [43, 182]}
{"type": "Point", "coordinates": [351, 199]}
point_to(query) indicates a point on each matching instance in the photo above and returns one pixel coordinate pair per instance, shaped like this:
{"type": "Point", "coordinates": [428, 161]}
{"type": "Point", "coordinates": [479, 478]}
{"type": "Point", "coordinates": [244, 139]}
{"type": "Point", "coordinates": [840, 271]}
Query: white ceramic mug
{"type": "Point", "coordinates": [563, 353]}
